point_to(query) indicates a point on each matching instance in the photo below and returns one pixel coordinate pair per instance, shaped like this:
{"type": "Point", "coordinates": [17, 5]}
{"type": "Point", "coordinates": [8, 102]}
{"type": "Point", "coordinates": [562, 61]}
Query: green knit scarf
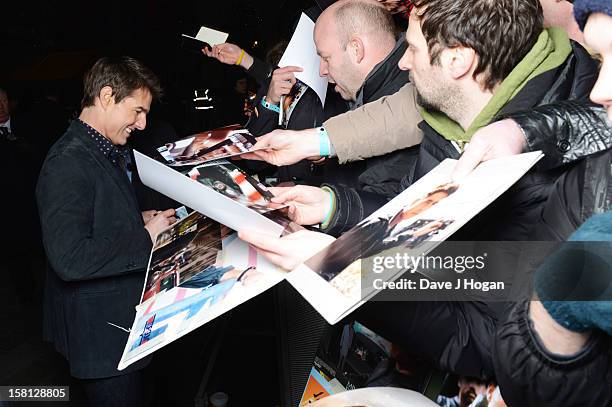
{"type": "Point", "coordinates": [549, 52]}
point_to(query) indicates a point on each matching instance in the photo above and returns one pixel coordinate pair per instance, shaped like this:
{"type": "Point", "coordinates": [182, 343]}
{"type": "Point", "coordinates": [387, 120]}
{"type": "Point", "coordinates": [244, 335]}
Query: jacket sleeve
{"type": "Point", "coordinates": [260, 70]}
{"type": "Point", "coordinates": [352, 206]}
{"type": "Point", "coordinates": [565, 131]}
{"type": "Point", "coordinates": [377, 128]}
{"type": "Point", "coordinates": [78, 247]}
{"type": "Point", "coordinates": [263, 121]}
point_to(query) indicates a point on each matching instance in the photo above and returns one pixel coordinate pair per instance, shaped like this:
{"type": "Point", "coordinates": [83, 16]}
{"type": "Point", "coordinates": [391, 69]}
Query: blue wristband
{"type": "Point", "coordinates": [270, 106]}
{"type": "Point", "coordinates": [324, 143]}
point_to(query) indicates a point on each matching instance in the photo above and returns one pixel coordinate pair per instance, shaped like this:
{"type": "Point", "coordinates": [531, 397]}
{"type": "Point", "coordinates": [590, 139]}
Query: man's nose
{"type": "Point", "coordinates": [405, 63]}
{"type": "Point", "coordinates": [323, 69]}
{"type": "Point", "coordinates": [141, 123]}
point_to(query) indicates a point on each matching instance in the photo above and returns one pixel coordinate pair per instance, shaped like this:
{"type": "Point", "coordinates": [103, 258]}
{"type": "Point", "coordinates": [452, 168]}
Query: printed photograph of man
{"type": "Point", "coordinates": [206, 146]}
{"type": "Point", "coordinates": [186, 255]}
{"type": "Point", "coordinates": [377, 235]}
{"type": "Point", "coordinates": [231, 181]}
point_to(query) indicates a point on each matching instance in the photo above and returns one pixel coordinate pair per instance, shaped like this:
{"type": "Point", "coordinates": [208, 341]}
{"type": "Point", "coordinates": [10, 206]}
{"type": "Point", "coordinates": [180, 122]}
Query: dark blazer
{"type": "Point", "coordinates": [97, 249]}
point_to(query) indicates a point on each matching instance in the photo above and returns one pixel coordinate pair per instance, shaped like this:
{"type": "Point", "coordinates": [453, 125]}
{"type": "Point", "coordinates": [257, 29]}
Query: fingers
{"type": "Point", "coordinates": [277, 191]}
{"type": "Point", "coordinates": [261, 155]}
{"type": "Point", "coordinates": [298, 194]}
{"type": "Point", "coordinates": [167, 213]}
{"type": "Point", "coordinates": [265, 141]}
{"type": "Point", "coordinates": [270, 247]}
{"type": "Point", "coordinates": [250, 156]}
{"type": "Point", "coordinates": [282, 195]}
{"type": "Point", "coordinates": [473, 154]}
{"type": "Point", "coordinates": [261, 240]}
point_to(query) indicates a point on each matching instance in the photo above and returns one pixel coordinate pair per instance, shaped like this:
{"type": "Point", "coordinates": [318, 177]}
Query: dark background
{"type": "Point", "coordinates": [45, 48]}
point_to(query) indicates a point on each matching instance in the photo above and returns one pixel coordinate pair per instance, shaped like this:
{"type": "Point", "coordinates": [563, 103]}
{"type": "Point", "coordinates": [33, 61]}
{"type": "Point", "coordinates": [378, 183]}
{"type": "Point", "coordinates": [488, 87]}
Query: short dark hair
{"type": "Point", "coordinates": [501, 32]}
{"type": "Point", "coordinates": [123, 74]}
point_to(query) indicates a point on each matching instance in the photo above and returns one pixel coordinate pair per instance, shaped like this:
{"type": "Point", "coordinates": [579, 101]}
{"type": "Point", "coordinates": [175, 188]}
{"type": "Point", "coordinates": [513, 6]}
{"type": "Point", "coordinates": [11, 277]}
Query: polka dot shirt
{"type": "Point", "coordinates": [117, 155]}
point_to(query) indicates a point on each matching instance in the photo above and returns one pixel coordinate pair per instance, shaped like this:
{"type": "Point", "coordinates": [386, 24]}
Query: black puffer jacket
{"type": "Point", "coordinates": [565, 131]}
{"type": "Point", "coordinates": [528, 375]}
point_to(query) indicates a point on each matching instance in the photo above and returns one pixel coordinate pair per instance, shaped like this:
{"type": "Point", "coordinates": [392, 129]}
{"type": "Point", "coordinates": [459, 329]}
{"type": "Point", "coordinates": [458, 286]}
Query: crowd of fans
{"type": "Point", "coordinates": [472, 80]}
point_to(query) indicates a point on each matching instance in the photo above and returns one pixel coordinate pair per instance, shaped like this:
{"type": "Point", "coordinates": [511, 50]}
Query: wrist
{"type": "Point", "coordinates": [324, 143]}
{"type": "Point", "coordinates": [553, 336]}
{"type": "Point", "coordinates": [273, 100]}
{"type": "Point", "coordinates": [330, 204]}
{"type": "Point", "coordinates": [270, 106]}
{"type": "Point", "coordinates": [522, 139]}
{"type": "Point", "coordinates": [310, 143]}
{"type": "Point", "coordinates": [152, 234]}
{"type": "Point", "coordinates": [247, 61]}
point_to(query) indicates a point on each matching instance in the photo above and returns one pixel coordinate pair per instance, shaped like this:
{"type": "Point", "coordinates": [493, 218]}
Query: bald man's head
{"type": "Point", "coordinates": [365, 17]}
{"type": "Point", "coordinates": [353, 36]}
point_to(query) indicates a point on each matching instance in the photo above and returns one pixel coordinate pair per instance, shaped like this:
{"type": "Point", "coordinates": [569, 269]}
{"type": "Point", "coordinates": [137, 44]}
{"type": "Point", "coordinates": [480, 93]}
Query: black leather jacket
{"type": "Point", "coordinates": [577, 140]}
{"type": "Point", "coordinates": [565, 131]}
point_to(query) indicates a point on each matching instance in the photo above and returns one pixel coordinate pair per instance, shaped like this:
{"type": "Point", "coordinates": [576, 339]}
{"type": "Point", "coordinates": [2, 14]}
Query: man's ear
{"type": "Point", "coordinates": [458, 61]}
{"type": "Point", "coordinates": [356, 48]}
{"type": "Point", "coordinates": [106, 97]}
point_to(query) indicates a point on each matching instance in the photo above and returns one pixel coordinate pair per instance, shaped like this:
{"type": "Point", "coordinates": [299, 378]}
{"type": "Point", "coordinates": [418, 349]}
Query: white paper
{"type": "Point", "coordinates": [343, 294]}
{"type": "Point", "coordinates": [172, 314]}
{"type": "Point", "coordinates": [211, 37]}
{"type": "Point", "coordinates": [302, 52]}
{"type": "Point", "coordinates": [199, 197]}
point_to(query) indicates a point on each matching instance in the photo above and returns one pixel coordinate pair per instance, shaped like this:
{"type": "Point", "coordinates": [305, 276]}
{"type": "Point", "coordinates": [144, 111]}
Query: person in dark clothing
{"type": "Point", "coordinates": [450, 118]}
{"type": "Point", "coordinates": [359, 52]}
{"type": "Point", "coordinates": [231, 106]}
{"type": "Point", "coordinates": [303, 110]}
{"type": "Point", "coordinates": [549, 67]}
{"type": "Point", "coordinates": [96, 238]}
{"type": "Point", "coordinates": [555, 351]}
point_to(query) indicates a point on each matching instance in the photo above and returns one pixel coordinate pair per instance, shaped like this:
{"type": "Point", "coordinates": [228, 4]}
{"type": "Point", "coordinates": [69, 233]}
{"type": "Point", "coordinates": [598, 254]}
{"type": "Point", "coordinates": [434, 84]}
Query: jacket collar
{"type": "Point", "coordinates": [382, 76]}
{"type": "Point", "coordinates": [80, 135]}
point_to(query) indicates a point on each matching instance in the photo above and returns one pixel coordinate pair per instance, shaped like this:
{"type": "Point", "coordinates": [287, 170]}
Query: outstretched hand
{"type": "Point", "coordinates": [499, 139]}
{"type": "Point", "coordinates": [307, 205]}
{"type": "Point", "coordinates": [228, 54]}
{"type": "Point", "coordinates": [159, 221]}
{"type": "Point", "coordinates": [285, 147]}
{"type": "Point", "coordinates": [289, 251]}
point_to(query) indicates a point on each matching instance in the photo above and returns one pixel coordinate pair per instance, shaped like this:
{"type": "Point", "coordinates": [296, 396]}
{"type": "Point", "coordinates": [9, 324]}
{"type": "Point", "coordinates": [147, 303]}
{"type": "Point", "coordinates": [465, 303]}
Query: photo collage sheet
{"type": "Point", "coordinates": [430, 210]}
{"type": "Point", "coordinates": [199, 269]}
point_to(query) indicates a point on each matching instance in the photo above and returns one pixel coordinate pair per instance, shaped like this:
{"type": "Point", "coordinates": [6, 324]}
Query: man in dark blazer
{"type": "Point", "coordinates": [96, 239]}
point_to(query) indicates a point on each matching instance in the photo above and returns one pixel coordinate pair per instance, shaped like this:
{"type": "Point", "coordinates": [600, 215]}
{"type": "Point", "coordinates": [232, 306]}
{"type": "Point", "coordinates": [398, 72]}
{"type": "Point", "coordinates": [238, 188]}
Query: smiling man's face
{"type": "Point", "coordinates": [127, 115]}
